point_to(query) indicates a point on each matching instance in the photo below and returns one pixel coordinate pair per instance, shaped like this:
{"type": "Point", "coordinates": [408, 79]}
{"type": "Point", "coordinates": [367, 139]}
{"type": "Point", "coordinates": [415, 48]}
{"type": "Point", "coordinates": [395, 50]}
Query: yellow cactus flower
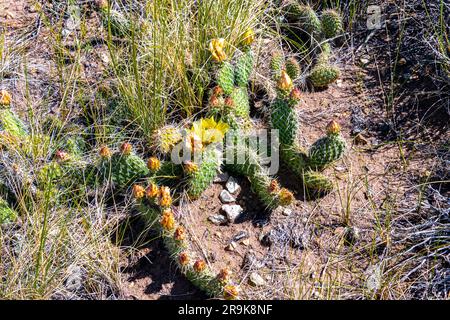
{"type": "Point", "coordinates": [286, 197]}
{"type": "Point", "coordinates": [104, 152]}
{"type": "Point", "coordinates": [153, 164]}
{"type": "Point", "coordinates": [183, 258]}
{"type": "Point", "coordinates": [179, 234]}
{"type": "Point", "coordinates": [249, 37]}
{"type": "Point", "coordinates": [216, 47]}
{"type": "Point", "coordinates": [333, 127]}
{"type": "Point", "coordinates": [190, 166]}
{"type": "Point", "coordinates": [230, 292]}
{"type": "Point", "coordinates": [5, 98]}
{"type": "Point", "coordinates": [212, 131]}
{"type": "Point", "coordinates": [168, 220]}
{"type": "Point", "coordinates": [126, 148]}
{"type": "Point", "coordinates": [285, 82]}
{"type": "Point", "coordinates": [199, 265]}
{"type": "Point", "coordinates": [138, 191]}
{"type": "Point", "coordinates": [152, 191]}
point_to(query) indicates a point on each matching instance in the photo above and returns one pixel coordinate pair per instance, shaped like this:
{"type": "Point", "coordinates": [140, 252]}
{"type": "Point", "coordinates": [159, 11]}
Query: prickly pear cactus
{"type": "Point", "coordinates": [284, 118]}
{"type": "Point", "coordinates": [11, 123]}
{"type": "Point", "coordinates": [323, 75]}
{"type": "Point", "coordinates": [225, 77]}
{"type": "Point", "coordinates": [327, 149]}
{"type": "Point", "coordinates": [201, 175]}
{"type": "Point", "coordinates": [306, 17]}
{"type": "Point", "coordinates": [124, 167]}
{"type": "Point", "coordinates": [267, 188]}
{"type": "Point", "coordinates": [316, 181]}
{"type": "Point", "coordinates": [154, 202]}
{"type": "Point", "coordinates": [331, 23]}
{"type": "Point", "coordinates": [293, 68]}
{"type": "Point", "coordinates": [6, 213]}
{"type": "Point", "coordinates": [244, 67]}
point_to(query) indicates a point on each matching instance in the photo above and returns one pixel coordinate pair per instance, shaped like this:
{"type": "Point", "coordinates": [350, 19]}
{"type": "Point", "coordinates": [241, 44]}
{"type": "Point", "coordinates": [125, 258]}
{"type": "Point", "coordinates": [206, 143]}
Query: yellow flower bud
{"type": "Point", "coordinates": [104, 152]}
{"type": "Point", "coordinates": [285, 82]}
{"type": "Point", "coordinates": [152, 191]}
{"type": "Point", "coordinates": [333, 127]}
{"type": "Point", "coordinates": [230, 292]}
{"type": "Point", "coordinates": [5, 98]}
{"type": "Point", "coordinates": [153, 164]}
{"type": "Point", "coordinates": [190, 166]}
{"type": "Point", "coordinates": [138, 191]}
{"type": "Point", "coordinates": [286, 197]}
{"type": "Point", "coordinates": [168, 220]}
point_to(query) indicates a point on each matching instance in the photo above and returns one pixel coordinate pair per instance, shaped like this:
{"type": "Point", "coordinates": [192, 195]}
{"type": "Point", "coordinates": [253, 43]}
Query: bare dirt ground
{"type": "Point", "coordinates": [306, 252]}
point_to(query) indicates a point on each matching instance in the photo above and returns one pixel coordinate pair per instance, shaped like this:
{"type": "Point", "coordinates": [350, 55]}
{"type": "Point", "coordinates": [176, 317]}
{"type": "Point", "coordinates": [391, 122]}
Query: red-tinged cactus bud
{"type": "Point", "coordinates": [274, 186]}
{"type": "Point", "coordinates": [61, 155]}
{"type": "Point", "coordinates": [285, 82]}
{"type": "Point", "coordinates": [295, 94]}
{"type": "Point", "coordinates": [183, 258]}
{"type": "Point", "coordinates": [168, 220]}
{"type": "Point", "coordinates": [199, 265]}
{"type": "Point", "coordinates": [152, 191]}
{"type": "Point", "coordinates": [224, 275]}
{"type": "Point", "coordinates": [214, 101]}
{"type": "Point", "coordinates": [229, 102]}
{"type": "Point", "coordinates": [126, 148]}
{"type": "Point", "coordinates": [217, 91]}
{"type": "Point", "coordinates": [5, 98]}
{"type": "Point", "coordinates": [179, 234]}
{"type": "Point", "coordinates": [104, 152]}
{"type": "Point", "coordinates": [153, 164]}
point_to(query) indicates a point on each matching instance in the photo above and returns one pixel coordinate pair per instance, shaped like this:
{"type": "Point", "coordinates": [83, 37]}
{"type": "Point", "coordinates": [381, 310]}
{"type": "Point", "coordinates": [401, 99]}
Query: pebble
{"type": "Point", "coordinates": [287, 212]}
{"type": "Point", "coordinates": [246, 242]}
{"type": "Point", "coordinates": [232, 211]}
{"type": "Point", "coordinates": [232, 185]}
{"type": "Point", "coordinates": [256, 280]}
{"type": "Point", "coordinates": [231, 247]}
{"type": "Point", "coordinates": [240, 235]}
{"type": "Point", "coordinates": [217, 219]}
{"type": "Point", "coordinates": [226, 197]}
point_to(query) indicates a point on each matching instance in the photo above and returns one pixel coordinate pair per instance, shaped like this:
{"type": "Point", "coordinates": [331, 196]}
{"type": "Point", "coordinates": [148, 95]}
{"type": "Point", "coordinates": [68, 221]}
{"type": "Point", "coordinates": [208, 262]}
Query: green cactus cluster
{"type": "Point", "coordinates": [6, 213]}
{"type": "Point", "coordinates": [321, 29]}
{"type": "Point", "coordinates": [230, 102]}
{"type": "Point", "coordinates": [154, 203]}
{"type": "Point", "coordinates": [230, 98]}
{"type": "Point", "coordinates": [304, 164]}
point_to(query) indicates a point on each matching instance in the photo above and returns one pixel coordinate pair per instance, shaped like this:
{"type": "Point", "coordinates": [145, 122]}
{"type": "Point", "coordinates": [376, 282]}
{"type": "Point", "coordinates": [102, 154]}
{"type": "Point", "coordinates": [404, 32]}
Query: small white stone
{"type": "Point", "coordinates": [231, 247]}
{"type": "Point", "coordinates": [246, 242]}
{"type": "Point", "coordinates": [226, 197]}
{"type": "Point", "coordinates": [232, 211]}
{"type": "Point", "coordinates": [287, 212]}
{"type": "Point", "coordinates": [256, 280]}
{"type": "Point", "coordinates": [232, 185]}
